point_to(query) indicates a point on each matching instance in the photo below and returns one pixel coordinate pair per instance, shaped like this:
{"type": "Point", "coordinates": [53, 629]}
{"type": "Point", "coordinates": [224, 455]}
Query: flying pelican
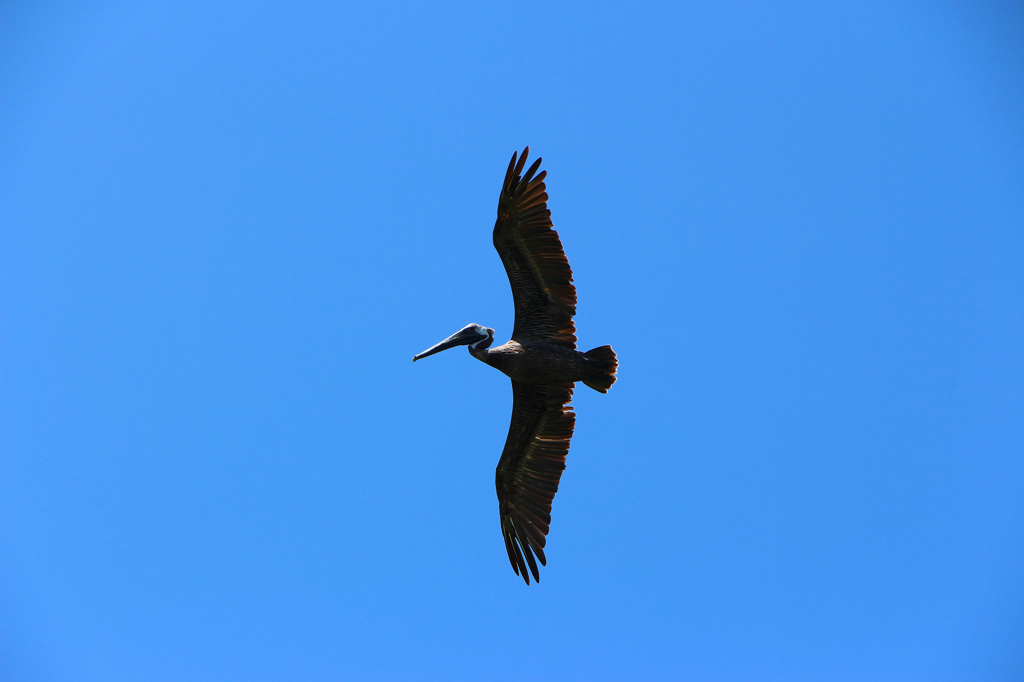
{"type": "Point", "coordinates": [541, 359]}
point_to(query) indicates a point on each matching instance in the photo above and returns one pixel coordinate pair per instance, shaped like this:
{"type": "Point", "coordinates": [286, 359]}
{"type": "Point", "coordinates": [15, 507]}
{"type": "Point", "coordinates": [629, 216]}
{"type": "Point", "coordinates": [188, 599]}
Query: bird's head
{"type": "Point", "coordinates": [472, 335]}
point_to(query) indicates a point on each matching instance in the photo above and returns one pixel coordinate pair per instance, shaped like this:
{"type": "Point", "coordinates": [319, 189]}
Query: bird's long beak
{"type": "Point", "coordinates": [463, 337]}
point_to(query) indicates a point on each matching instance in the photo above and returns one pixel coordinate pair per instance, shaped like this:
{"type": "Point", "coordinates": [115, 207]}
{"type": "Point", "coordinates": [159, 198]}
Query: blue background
{"type": "Point", "coordinates": [226, 227]}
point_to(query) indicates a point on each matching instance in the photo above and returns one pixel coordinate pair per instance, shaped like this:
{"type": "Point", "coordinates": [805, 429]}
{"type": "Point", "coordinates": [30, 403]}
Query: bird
{"type": "Point", "coordinates": [541, 360]}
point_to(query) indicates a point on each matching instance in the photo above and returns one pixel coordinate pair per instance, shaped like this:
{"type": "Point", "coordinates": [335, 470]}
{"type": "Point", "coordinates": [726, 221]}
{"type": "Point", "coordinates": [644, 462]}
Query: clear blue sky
{"type": "Point", "coordinates": [226, 227]}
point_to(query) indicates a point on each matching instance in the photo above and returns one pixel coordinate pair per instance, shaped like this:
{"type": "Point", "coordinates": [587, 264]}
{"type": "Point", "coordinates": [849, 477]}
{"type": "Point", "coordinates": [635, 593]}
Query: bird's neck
{"type": "Point", "coordinates": [479, 349]}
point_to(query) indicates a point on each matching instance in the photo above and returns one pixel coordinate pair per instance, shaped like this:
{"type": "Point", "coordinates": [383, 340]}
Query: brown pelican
{"type": "Point", "coordinates": [541, 359]}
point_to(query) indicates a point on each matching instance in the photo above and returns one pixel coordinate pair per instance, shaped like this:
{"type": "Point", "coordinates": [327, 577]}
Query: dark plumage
{"type": "Point", "coordinates": [541, 359]}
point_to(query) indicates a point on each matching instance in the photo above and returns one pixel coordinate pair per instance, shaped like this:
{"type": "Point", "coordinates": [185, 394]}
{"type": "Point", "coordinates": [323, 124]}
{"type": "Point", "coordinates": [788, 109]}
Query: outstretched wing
{"type": "Point", "coordinates": [531, 251]}
{"type": "Point", "coordinates": [530, 467]}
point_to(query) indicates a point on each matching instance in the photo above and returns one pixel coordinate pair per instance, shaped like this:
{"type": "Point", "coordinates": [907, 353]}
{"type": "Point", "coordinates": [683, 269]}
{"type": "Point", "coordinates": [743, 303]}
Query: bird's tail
{"type": "Point", "coordinates": [603, 359]}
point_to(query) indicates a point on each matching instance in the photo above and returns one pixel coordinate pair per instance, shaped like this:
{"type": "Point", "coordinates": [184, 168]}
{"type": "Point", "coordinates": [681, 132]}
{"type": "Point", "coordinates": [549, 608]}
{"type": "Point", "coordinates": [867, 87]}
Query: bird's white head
{"type": "Point", "coordinates": [475, 336]}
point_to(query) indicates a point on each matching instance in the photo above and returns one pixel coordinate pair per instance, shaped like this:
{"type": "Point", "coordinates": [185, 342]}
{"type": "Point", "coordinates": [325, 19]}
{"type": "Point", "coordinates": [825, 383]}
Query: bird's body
{"type": "Point", "coordinates": [538, 362]}
{"type": "Point", "coordinates": [541, 359]}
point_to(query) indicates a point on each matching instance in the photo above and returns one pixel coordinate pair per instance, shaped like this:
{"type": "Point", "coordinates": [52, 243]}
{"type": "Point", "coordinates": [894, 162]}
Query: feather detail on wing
{"type": "Point", "coordinates": [530, 468]}
{"type": "Point", "coordinates": [541, 279]}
